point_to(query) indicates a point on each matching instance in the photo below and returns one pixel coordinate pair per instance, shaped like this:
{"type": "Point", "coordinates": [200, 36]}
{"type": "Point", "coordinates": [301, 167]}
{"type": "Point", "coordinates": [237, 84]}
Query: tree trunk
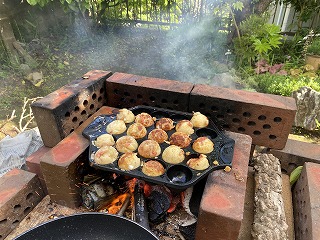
{"type": "Point", "coordinates": [247, 10]}
{"type": "Point", "coordinates": [13, 48]}
{"type": "Point", "coordinates": [262, 6]}
{"type": "Point", "coordinates": [7, 35]}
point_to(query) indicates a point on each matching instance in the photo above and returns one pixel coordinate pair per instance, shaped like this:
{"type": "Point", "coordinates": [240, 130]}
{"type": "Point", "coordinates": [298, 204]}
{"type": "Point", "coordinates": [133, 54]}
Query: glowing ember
{"type": "Point", "coordinates": [115, 206]}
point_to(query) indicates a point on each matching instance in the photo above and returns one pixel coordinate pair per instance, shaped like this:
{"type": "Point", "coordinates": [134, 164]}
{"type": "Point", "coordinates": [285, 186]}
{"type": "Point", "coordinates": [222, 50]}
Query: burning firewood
{"type": "Point", "coordinates": [188, 226]}
{"type": "Point", "coordinates": [100, 191]}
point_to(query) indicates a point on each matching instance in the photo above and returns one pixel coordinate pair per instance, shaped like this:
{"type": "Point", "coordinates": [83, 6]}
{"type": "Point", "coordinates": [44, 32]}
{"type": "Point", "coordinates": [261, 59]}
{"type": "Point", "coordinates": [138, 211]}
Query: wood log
{"type": "Point", "coordinates": [29, 60]}
{"type": "Point", "coordinates": [8, 38]}
{"type": "Point", "coordinates": [13, 48]}
{"type": "Point", "coordinates": [269, 218]}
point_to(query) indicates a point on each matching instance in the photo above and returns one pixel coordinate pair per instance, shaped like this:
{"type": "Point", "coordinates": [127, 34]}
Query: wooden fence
{"type": "Point", "coordinates": [285, 16]}
{"type": "Point", "coordinates": [174, 12]}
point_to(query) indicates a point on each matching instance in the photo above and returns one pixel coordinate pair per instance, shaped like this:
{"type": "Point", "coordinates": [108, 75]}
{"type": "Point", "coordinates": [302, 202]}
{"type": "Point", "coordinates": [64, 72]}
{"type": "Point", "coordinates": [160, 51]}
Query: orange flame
{"type": "Point", "coordinates": [131, 183]}
{"type": "Point", "coordinates": [115, 206]}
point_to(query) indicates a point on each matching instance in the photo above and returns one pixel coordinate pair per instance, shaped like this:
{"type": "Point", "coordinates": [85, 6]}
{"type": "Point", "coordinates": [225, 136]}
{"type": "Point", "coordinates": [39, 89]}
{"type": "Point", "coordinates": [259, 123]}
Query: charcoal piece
{"type": "Point", "coordinates": [158, 203]}
{"type": "Point", "coordinates": [189, 231]}
{"type": "Point", "coordinates": [97, 195]}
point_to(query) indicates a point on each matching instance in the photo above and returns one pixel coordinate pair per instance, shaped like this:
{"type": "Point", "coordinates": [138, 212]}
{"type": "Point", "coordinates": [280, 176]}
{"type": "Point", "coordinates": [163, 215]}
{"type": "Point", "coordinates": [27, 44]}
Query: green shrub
{"type": "Point", "coordinates": [314, 47]}
{"type": "Point", "coordinates": [284, 85]}
{"type": "Point", "coordinates": [258, 40]}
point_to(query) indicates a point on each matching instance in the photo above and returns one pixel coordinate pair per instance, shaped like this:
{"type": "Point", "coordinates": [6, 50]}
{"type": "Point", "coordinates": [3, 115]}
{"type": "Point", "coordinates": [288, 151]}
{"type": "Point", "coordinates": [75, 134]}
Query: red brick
{"type": "Point", "coordinates": [20, 192]}
{"type": "Point", "coordinates": [306, 202]}
{"type": "Point", "coordinates": [61, 112]}
{"type": "Point", "coordinates": [128, 90]}
{"type": "Point", "coordinates": [296, 153]}
{"type": "Point", "coordinates": [222, 205]}
{"type": "Point", "coordinates": [63, 166]}
{"type": "Point", "coordinates": [266, 118]}
{"type": "Point", "coordinates": [33, 165]}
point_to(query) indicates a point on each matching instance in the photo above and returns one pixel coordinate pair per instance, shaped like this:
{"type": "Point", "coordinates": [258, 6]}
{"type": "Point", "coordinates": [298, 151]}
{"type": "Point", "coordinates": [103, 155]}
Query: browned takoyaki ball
{"type": "Point", "coordinates": [145, 119]}
{"type": "Point", "coordinates": [165, 124]}
{"type": "Point", "coordinates": [149, 149]}
{"type": "Point", "coordinates": [158, 135]}
{"type": "Point", "coordinates": [153, 168]}
{"type": "Point", "coordinates": [180, 139]}
{"type": "Point", "coordinates": [203, 145]}
{"type": "Point", "coordinates": [137, 130]}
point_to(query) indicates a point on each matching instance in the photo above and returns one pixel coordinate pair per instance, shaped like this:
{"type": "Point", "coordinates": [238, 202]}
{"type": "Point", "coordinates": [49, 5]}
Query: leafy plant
{"type": "Point", "coordinates": [314, 47]}
{"type": "Point", "coordinates": [284, 85]}
{"type": "Point", "coordinates": [295, 174]}
{"type": "Point", "coordinates": [263, 67]}
{"type": "Point", "coordinates": [258, 40]}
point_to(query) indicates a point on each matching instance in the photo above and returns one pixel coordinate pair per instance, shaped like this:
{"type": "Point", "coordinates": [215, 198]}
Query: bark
{"type": "Point", "coordinates": [248, 9]}
{"type": "Point", "coordinates": [269, 218]}
{"type": "Point", "coordinates": [262, 6]}
{"type": "Point", "coordinates": [13, 48]}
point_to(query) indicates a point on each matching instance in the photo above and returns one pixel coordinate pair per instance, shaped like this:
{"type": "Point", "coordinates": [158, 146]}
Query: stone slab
{"type": "Point", "coordinates": [296, 153]}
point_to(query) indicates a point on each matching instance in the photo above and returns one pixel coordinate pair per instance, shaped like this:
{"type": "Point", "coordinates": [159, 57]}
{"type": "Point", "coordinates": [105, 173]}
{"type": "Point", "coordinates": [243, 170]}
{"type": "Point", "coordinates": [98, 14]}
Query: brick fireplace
{"type": "Point", "coordinates": [249, 118]}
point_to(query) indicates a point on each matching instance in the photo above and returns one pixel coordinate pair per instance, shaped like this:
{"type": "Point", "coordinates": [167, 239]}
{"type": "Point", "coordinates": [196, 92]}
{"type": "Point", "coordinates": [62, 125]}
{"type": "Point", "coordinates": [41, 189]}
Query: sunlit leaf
{"type": "Point", "coordinates": [238, 6]}
{"type": "Point", "coordinates": [32, 2]}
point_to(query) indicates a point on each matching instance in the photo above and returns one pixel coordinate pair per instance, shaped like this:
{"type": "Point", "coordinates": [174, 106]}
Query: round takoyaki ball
{"type": "Point", "coordinates": [126, 144]}
{"type": "Point", "coordinates": [149, 149]}
{"type": "Point", "coordinates": [200, 163]}
{"type": "Point", "coordinates": [153, 168]}
{"type": "Point", "coordinates": [165, 124]}
{"type": "Point", "coordinates": [129, 161]}
{"type": "Point", "coordinates": [180, 139]}
{"type": "Point", "coordinates": [158, 135]}
{"type": "Point", "coordinates": [203, 145]}
{"type": "Point", "coordinates": [185, 126]}
{"type": "Point", "coordinates": [104, 140]}
{"type": "Point", "coordinates": [199, 120]}
{"type": "Point", "coordinates": [116, 127]}
{"type": "Point", "coordinates": [145, 119]}
{"type": "Point", "coordinates": [126, 115]}
{"type": "Point", "coordinates": [137, 130]}
{"type": "Point", "coordinates": [106, 155]}
{"type": "Point", "coordinates": [173, 154]}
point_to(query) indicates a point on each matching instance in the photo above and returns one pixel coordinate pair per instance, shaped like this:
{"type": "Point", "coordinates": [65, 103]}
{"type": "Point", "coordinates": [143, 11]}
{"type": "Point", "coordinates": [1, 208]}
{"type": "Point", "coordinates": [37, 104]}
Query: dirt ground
{"type": "Point", "coordinates": [64, 58]}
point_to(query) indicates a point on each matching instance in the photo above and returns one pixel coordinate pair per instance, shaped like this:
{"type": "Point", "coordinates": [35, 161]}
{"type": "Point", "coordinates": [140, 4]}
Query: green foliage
{"type": "Point", "coordinates": [284, 85]}
{"type": "Point", "coordinates": [103, 10]}
{"type": "Point", "coordinates": [295, 174]}
{"type": "Point", "coordinates": [238, 6]}
{"type": "Point", "coordinates": [258, 40]}
{"type": "Point", "coordinates": [314, 47]}
{"type": "Point", "coordinates": [290, 51]}
{"type": "Point", "coordinates": [42, 3]}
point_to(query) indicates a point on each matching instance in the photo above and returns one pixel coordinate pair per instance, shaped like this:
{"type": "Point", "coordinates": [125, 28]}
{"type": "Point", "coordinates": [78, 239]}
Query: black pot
{"type": "Point", "coordinates": [89, 226]}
